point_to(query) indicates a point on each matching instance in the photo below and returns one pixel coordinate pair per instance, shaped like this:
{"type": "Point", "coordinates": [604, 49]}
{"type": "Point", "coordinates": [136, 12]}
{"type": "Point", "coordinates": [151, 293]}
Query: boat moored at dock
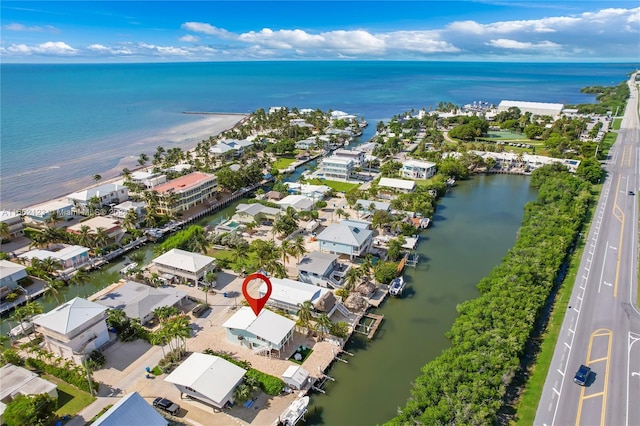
{"type": "Point", "coordinates": [295, 412]}
{"type": "Point", "coordinates": [396, 288]}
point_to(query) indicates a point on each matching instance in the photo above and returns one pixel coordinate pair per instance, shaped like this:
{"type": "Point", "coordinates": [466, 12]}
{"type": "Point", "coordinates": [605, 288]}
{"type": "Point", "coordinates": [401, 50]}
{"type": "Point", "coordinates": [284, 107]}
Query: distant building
{"type": "Point", "coordinates": [298, 202]}
{"type": "Point", "coordinates": [103, 195]}
{"type": "Point", "coordinates": [337, 168]}
{"type": "Point", "coordinates": [288, 294]}
{"type": "Point", "coordinates": [13, 221]}
{"type": "Point", "coordinates": [357, 156]}
{"type": "Point", "coordinates": [186, 191]}
{"type": "Point", "coordinates": [535, 108]}
{"type": "Point", "coordinates": [207, 378]}
{"type": "Point", "coordinates": [322, 269]}
{"type": "Point", "coordinates": [148, 179]}
{"type": "Point", "coordinates": [415, 169]}
{"type": "Point", "coordinates": [397, 184]}
{"type": "Point", "coordinates": [39, 214]}
{"type": "Point", "coordinates": [69, 256]}
{"type": "Point", "coordinates": [109, 225]}
{"type": "Point", "coordinates": [371, 206]}
{"type": "Point", "coordinates": [20, 381]}
{"type": "Point", "coordinates": [256, 212]}
{"type": "Point", "coordinates": [74, 329]}
{"type": "Point", "coordinates": [121, 210]}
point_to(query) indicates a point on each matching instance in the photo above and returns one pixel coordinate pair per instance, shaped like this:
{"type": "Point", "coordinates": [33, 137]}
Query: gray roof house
{"type": "Point", "coordinates": [131, 409]}
{"type": "Point", "coordinates": [207, 378]}
{"type": "Point", "coordinates": [74, 329]}
{"type": "Point", "coordinates": [322, 269]}
{"type": "Point", "coordinates": [20, 381]}
{"type": "Point", "coordinates": [11, 273]}
{"type": "Point", "coordinates": [377, 205]}
{"type": "Point", "coordinates": [184, 264]}
{"type": "Point", "coordinates": [247, 213]}
{"type": "Point", "coordinates": [348, 237]}
{"type": "Point", "coordinates": [139, 300]}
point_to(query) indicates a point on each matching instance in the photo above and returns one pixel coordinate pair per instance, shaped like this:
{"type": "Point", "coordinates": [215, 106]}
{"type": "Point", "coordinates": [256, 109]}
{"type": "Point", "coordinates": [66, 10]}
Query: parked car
{"type": "Point", "coordinates": [166, 405]}
{"type": "Point", "coordinates": [582, 375]}
{"type": "Point", "coordinates": [199, 310]}
{"type": "Point", "coordinates": [631, 193]}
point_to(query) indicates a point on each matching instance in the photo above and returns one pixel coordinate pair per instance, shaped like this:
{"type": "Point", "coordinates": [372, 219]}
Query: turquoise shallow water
{"type": "Point", "coordinates": [93, 115]}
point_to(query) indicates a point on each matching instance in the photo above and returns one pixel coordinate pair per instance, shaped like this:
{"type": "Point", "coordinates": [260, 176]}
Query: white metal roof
{"type": "Point", "coordinates": [139, 300]}
{"type": "Point", "coordinates": [20, 380]}
{"type": "Point", "coordinates": [8, 268]}
{"type": "Point", "coordinates": [397, 183]}
{"type": "Point", "coordinates": [66, 253]}
{"type": "Point", "coordinates": [208, 375]}
{"type": "Point", "coordinates": [184, 260]}
{"type": "Point", "coordinates": [345, 233]}
{"type": "Point", "coordinates": [268, 325]}
{"type": "Point", "coordinates": [292, 292]}
{"type": "Point", "coordinates": [418, 163]}
{"type": "Point", "coordinates": [296, 374]}
{"type": "Point", "coordinates": [131, 409]}
{"type": "Point", "coordinates": [69, 316]}
{"type": "Point", "coordinates": [97, 191]}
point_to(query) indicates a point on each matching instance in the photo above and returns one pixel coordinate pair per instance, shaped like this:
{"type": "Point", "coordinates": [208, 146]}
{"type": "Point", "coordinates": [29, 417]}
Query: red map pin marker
{"type": "Point", "coordinates": [256, 304]}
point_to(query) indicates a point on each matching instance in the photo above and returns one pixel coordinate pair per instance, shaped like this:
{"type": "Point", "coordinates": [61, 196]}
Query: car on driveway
{"type": "Point", "coordinates": [166, 405]}
{"type": "Point", "coordinates": [582, 375]}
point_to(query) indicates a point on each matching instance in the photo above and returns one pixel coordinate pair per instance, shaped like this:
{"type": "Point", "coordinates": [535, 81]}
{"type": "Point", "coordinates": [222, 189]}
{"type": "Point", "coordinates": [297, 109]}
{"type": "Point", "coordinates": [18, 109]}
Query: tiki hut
{"type": "Point", "coordinates": [326, 302]}
{"type": "Point", "coordinates": [356, 303]}
{"type": "Point", "coordinates": [366, 289]}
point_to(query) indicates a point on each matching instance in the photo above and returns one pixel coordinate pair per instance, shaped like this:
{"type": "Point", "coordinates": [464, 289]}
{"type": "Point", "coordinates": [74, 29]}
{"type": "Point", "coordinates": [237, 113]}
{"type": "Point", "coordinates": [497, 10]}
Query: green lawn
{"type": "Point", "coordinates": [335, 185]}
{"type": "Point", "coordinates": [71, 400]}
{"type": "Point", "coordinates": [283, 162]}
{"type": "Point", "coordinates": [608, 141]}
{"type": "Point", "coordinates": [505, 135]}
{"type": "Point", "coordinates": [616, 124]}
{"type": "Point", "coordinates": [235, 264]}
{"type": "Point", "coordinates": [528, 404]}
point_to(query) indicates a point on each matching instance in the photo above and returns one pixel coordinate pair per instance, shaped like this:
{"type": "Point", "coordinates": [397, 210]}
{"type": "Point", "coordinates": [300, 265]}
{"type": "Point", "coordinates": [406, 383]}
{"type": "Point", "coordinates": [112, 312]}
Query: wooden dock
{"type": "Point", "coordinates": [369, 329]}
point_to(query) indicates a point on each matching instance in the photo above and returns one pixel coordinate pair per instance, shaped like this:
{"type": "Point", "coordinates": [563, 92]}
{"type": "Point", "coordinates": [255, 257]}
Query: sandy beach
{"type": "Point", "coordinates": [106, 158]}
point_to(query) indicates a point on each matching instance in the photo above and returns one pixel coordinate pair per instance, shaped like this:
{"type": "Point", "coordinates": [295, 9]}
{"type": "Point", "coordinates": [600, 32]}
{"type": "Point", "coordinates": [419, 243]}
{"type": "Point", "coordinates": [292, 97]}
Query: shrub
{"type": "Point", "coordinates": [96, 360]}
{"type": "Point", "coordinates": [271, 385]}
{"type": "Point", "coordinates": [75, 377]}
{"type": "Point", "coordinates": [10, 356]}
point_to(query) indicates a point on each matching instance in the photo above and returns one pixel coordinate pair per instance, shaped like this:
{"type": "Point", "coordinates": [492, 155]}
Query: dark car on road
{"type": "Point", "coordinates": [631, 193]}
{"type": "Point", "coordinates": [199, 310]}
{"type": "Point", "coordinates": [582, 375]}
{"type": "Point", "coordinates": [166, 405]}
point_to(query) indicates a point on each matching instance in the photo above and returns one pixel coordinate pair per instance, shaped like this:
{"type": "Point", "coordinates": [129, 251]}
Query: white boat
{"type": "Point", "coordinates": [424, 223]}
{"type": "Point", "coordinates": [295, 411]}
{"type": "Point", "coordinates": [396, 288]}
{"type": "Point", "coordinates": [25, 328]}
{"type": "Point", "coordinates": [451, 182]}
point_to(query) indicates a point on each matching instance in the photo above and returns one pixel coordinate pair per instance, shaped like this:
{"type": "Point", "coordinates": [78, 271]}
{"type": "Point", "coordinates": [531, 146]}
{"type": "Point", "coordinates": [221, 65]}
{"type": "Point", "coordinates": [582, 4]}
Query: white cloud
{"type": "Point", "coordinates": [47, 48]}
{"type": "Point", "coordinates": [14, 26]}
{"type": "Point", "coordinates": [204, 28]}
{"type": "Point", "coordinates": [164, 50]}
{"type": "Point", "coordinates": [189, 38]}
{"type": "Point", "coordinates": [110, 50]}
{"type": "Point", "coordinates": [514, 44]}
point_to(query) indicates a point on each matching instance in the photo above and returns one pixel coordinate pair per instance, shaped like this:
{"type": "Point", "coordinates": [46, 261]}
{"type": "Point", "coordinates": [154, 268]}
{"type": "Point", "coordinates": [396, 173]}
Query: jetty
{"type": "Point", "coordinates": [369, 325]}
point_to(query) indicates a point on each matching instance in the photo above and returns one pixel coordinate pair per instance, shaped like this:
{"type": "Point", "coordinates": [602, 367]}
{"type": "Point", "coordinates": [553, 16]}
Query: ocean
{"type": "Point", "coordinates": [61, 124]}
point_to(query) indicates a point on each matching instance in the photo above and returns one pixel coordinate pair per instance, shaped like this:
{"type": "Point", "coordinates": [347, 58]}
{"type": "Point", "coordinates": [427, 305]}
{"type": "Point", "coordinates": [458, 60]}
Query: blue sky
{"type": "Point", "coordinates": [165, 31]}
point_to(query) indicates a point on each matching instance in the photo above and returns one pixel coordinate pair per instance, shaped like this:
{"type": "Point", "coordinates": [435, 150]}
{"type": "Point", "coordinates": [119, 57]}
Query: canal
{"type": "Point", "coordinates": [474, 226]}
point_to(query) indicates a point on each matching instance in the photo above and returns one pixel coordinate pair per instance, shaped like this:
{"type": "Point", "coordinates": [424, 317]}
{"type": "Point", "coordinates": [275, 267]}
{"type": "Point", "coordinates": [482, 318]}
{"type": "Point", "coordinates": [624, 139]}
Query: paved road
{"type": "Point", "coordinates": [601, 328]}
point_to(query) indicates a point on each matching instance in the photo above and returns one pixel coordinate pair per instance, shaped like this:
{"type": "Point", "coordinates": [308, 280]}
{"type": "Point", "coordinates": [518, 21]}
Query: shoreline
{"type": "Point", "coordinates": [110, 162]}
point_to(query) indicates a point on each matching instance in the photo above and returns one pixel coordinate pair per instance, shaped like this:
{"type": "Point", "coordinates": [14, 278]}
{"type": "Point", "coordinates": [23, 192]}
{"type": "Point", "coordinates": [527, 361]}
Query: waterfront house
{"type": "Point", "coordinates": [13, 221]}
{"type": "Point", "coordinates": [184, 265]}
{"type": "Point", "coordinates": [129, 410]}
{"type": "Point", "coordinates": [20, 381]}
{"type": "Point", "coordinates": [179, 168]}
{"type": "Point", "coordinates": [350, 237]}
{"type": "Point", "coordinates": [288, 294]}
{"type": "Point", "coordinates": [336, 168]}
{"type": "Point", "coordinates": [74, 329]}
{"type": "Point", "coordinates": [109, 225]}
{"type": "Point", "coordinates": [309, 143]}
{"type": "Point", "coordinates": [138, 301]}
{"type": "Point", "coordinates": [207, 378]}
{"type": "Point", "coordinates": [298, 202]}
{"type": "Point", "coordinates": [69, 257]}
{"type": "Point", "coordinates": [186, 191]}
{"type": "Point", "coordinates": [315, 192]}
{"type": "Point", "coordinates": [296, 377]}
{"type": "Point", "coordinates": [40, 213]}
{"type": "Point", "coordinates": [121, 210]}
{"type": "Point", "coordinates": [397, 184]}
{"type": "Point", "coordinates": [371, 206]}
{"type": "Point", "coordinates": [357, 156]}
{"type": "Point", "coordinates": [97, 197]}
{"type": "Point", "coordinates": [415, 169]}
{"type": "Point", "coordinates": [322, 269]}
{"type": "Point", "coordinates": [148, 179]}
{"type": "Point", "coordinates": [11, 273]}
{"type": "Point", "coordinates": [528, 162]}
{"type": "Point", "coordinates": [265, 333]}
{"type": "Point", "coordinates": [256, 212]}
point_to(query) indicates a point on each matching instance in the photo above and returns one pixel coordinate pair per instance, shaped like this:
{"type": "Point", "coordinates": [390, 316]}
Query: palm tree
{"type": "Point", "coordinates": [38, 240]}
{"type": "Point", "coordinates": [158, 338]}
{"type": "Point", "coordinates": [20, 314]}
{"type": "Point", "coordinates": [53, 287]}
{"type": "Point", "coordinates": [80, 278]}
{"type": "Point", "coordinates": [97, 177]}
{"type": "Point", "coordinates": [126, 174]}
{"type": "Point", "coordinates": [130, 220]}
{"type": "Point", "coordinates": [285, 251]}
{"type": "Point", "coordinates": [324, 324]}
{"type": "Point", "coordinates": [142, 159]}
{"type": "Point", "coordinates": [304, 313]}
{"type": "Point", "coordinates": [275, 268]}
{"type": "Point", "coordinates": [53, 219]}
{"type": "Point", "coordinates": [50, 265]}
{"type": "Point", "coordinates": [199, 243]}
{"type": "Point", "coordinates": [240, 254]}
{"type": "Point", "coordinates": [352, 277]}
{"type": "Point", "coordinates": [101, 238]}
{"type": "Point", "coordinates": [358, 208]}
{"type": "Point", "coordinates": [5, 233]}
{"type": "Point", "coordinates": [85, 236]}
{"type": "Point", "coordinates": [299, 249]}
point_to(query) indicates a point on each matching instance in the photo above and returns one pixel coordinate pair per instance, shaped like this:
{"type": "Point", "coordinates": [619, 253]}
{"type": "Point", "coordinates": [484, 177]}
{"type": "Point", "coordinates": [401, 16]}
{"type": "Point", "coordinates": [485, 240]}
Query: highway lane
{"type": "Point", "coordinates": [601, 328]}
